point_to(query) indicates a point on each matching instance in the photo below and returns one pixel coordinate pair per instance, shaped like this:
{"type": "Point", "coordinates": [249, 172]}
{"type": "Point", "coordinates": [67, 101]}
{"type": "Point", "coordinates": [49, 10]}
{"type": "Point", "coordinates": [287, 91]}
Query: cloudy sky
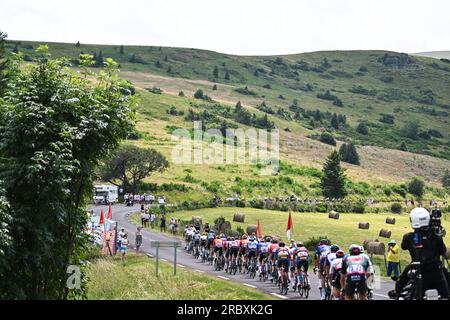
{"type": "Point", "coordinates": [235, 26]}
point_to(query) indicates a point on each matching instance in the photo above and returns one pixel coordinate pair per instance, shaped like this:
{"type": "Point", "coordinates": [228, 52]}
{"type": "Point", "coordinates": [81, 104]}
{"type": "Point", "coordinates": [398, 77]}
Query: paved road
{"type": "Point", "coordinates": [184, 260]}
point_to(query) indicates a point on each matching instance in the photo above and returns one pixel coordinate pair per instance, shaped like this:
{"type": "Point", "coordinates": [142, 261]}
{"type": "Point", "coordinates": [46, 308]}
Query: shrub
{"type": "Point", "coordinates": [359, 207]}
{"type": "Point", "coordinates": [349, 154]}
{"type": "Point", "coordinates": [396, 207]}
{"type": "Point", "coordinates": [327, 138]}
{"type": "Point", "coordinates": [416, 187]}
{"type": "Point", "coordinates": [362, 128]}
{"type": "Point", "coordinates": [313, 242]}
{"type": "Point", "coordinates": [387, 118]}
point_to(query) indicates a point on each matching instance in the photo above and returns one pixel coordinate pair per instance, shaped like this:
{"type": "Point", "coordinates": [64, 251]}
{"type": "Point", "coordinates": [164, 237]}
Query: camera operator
{"type": "Point", "coordinates": [426, 246]}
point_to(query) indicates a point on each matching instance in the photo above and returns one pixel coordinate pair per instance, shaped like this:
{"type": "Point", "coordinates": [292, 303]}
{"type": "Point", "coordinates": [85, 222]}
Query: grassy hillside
{"type": "Point", "coordinates": [386, 90]}
{"type": "Point", "coordinates": [136, 280]}
{"type": "Point", "coordinates": [435, 54]}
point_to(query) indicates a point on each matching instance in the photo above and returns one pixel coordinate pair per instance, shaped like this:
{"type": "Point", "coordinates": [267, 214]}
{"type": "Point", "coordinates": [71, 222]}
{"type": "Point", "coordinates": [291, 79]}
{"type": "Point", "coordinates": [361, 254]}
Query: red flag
{"type": "Point", "coordinates": [102, 218]}
{"type": "Point", "coordinates": [258, 231]}
{"type": "Point", "coordinates": [289, 227]}
{"type": "Point", "coordinates": [109, 214]}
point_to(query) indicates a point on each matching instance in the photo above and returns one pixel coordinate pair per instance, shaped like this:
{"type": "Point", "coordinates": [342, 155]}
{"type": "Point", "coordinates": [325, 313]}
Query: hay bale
{"type": "Point", "coordinates": [385, 233]}
{"type": "Point", "coordinates": [363, 225]}
{"type": "Point", "coordinates": [251, 229]}
{"type": "Point", "coordinates": [367, 241]}
{"type": "Point", "coordinates": [333, 215]}
{"type": "Point", "coordinates": [196, 220]}
{"type": "Point", "coordinates": [390, 220]}
{"type": "Point", "coordinates": [239, 217]}
{"type": "Point", "coordinates": [376, 248]}
{"type": "Point", "coordinates": [224, 227]}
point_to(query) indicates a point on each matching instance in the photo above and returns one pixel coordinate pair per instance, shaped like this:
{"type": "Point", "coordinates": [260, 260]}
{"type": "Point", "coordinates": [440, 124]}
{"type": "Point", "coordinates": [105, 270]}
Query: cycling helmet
{"type": "Point", "coordinates": [251, 238]}
{"type": "Point", "coordinates": [244, 236]}
{"type": "Point", "coordinates": [355, 249]}
{"type": "Point", "coordinates": [340, 254]}
{"type": "Point", "coordinates": [281, 244]}
{"type": "Point", "coordinates": [197, 232]}
{"type": "Point", "coordinates": [268, 239]}
{"type": "Point", "coordinates": [222, 235]}
{"type": "Point", "coordinates": [232, 239]}
{"type": "Point", "coordinates": [229, 239]}
{"type": "Point", "coordinates": [323, 241]}
{"type": "Point", "coordinates": [274, 241]}
{"type": "Point", "coordinates": [419, 217]}
{"type": "Point", "coordinates": [300, 244]}
{"type": "Point", "coordinates": [334, 248]}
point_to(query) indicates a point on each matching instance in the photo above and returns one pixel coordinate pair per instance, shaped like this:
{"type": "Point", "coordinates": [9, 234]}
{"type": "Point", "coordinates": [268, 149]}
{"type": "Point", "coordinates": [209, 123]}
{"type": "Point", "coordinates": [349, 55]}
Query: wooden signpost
{"type": "Point", "coordinates": [166, 244]}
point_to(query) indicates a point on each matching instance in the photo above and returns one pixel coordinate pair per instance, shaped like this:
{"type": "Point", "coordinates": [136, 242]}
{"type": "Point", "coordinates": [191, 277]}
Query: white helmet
{"type": "Point", "coordinates": [419, 217]}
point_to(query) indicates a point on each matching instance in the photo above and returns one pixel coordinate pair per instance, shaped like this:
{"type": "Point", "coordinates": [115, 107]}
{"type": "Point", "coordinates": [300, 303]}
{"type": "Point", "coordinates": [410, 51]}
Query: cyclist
{"type": "Point", "coordinates": [355, 268]}
{"type": "Point", "coordinates": [188, 237]}
{"type": "Point", "coordinates": [283, 259]}
{"type": "Point", "coordinates": [292, 273]}
{"type": "Point", "coordinates": [196, 240]}
{"type": "Point", "coordinates": [330, 257]}
{"type": "Point", "coordinates": [203, 241]}
{"type": "Point", "coordinates": [211, 237]}
{"type": "Point", "coordinates": [226, 249]}
{"type": "Point", "coordinates": [243, 245]}
{"type": "Point", "coordinates": [322, 251]}
{"type": "Point", "coordinates": [233, 247]}
{"type": "Point", "coordinates": [263, 251]}
{"type": "Point", "coordinates": [251, 248]}
{"type": "Point", "coordinates": [302, 262]}
{"type": "Point", "coordinates": [218, 248]}
{"type": "Point", "coordinates": [273, 247]}
{"type": "Point", "coordinates": [334, 275]}
{"type": "Point", "coordinates": [371, 272]}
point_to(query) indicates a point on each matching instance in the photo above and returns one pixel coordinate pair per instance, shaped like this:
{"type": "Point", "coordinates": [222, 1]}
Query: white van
{"type": "Point", "coordinates": [104, 194]}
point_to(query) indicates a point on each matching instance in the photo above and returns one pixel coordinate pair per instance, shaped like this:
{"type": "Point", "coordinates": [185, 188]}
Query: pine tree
{"type": "Point", "coordinates": [335, 121]}
{"type": "Point", "coordinates": [349, 154]}
{"type": "Point", "coordinates": [78, 44]}
{"type": "Point", "coordinates": [333, 178]}
{"type": "Point", "coordinates": [166, 59]}
{"type": "Point", "coordinates": [181, 94]}
{"type": "Point", "coordinates": [5, 64]}
{"type": "Point", "coordinates": [216, 72]}
{"type": "Point", "coordinates": [403, 146]}
{"type": "Point", "coordinates": [214, 87]}
{"type": "Point", "coordinates": [99, 59]}
{"type": "Point", "coordinates": [227, 75]}
{"type": "Point", "coordinates": [16, 49]}
{"type": "Point", "coordinates": [169, 69]}
{"type": "Point", "coordinates": [122, 49]}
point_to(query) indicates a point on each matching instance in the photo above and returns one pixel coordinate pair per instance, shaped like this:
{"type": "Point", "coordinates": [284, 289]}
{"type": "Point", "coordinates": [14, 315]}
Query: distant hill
{"type": "Point", "coordinates": [434, 54]}
{"type": "Point", "coordinates": [403, 99]}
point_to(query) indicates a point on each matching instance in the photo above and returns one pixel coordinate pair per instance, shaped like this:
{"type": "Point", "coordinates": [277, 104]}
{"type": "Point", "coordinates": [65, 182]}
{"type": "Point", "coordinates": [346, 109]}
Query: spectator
{"type": "Point", "coordinates": [124, 246]}
{"type": "Point", "coordinates": [143, 216]}
{"type": "Point", "coordinates": [152, 220]}
{"type": "Point", "coordinates": [393, 260]}
{"type": "Point", "coordinates": [147, 218]}
{"type": "Point", "coordinates": [138, 239]}
{"type": "Point", "coordinates": [163, 223]}
{"type": "Point", "coordinates": [175, 226]}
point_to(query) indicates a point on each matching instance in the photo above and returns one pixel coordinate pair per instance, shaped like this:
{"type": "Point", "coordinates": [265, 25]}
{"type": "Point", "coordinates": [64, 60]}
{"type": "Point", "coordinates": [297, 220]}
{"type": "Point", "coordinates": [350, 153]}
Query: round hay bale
{"type": "Point", "coordinates": [385, 233]}
{"type": "Point", "coordinates": [363, 225]}
{"type": "Point", "coordinates": [224, 227]}
{"type": "Point", "coordinates": [376, 248]}
{"type": "Point", "coordinates": [390, 220]}
{"type": "Point", "coordinates": [239, 217]}
{"type": "Point", "coordinates": [333, 215]}
{"type": "Point", "coordinates": [196, 220]}
{"type": "Point", "coordinates": [367, 241]}
{"type": "Point", "coordinates": [251, 229]}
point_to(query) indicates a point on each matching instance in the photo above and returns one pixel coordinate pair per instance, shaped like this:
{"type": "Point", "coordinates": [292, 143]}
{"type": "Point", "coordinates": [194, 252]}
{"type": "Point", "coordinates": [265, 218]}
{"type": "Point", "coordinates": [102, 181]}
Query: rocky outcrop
{"type": "Point", "coordinates": [396, 60]}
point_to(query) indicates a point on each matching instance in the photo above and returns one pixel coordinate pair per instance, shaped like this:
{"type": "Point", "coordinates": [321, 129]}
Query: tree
{"type": "Point", "coordinates": [130, 165]}
{"type": "Point", "coordinates": [227, 75]}
{"type": "Point", "coordinates": [214, 87]}
{"type": "Point", "coordinates": [99, 59]}
{"type": "Point", "coordinates": [216, 72]}
{"type": "Point", "coordinates": [446, 179]}
{"type": "Point", "coordinates": [416, 187]}
{"type": "Point", "coordinates": [181, 94]}
{"type": "Point", "coordinates": [403, 146]}
{"type": "Point", "coordinates": [122, 49]}
{"type": "Point", "coordinates": [16, 49]}
{"type": "Point", "coordinates": [55, 127]}
{"type": "Point", "coordinates": [411, 131]}
{"type": "Point", "coordinates": [166, 59]}
{"type": "Point", "coordinates": [349, 154]}
{"type": "Point", "coordinates": [334, 121]}
{"type": "Point", "coordinates": [362, 128]}
{"type": "Point", "coordinates": [5, 65]}
{"type": "Point", "coordinates": [199, 94]}
{"type": "Point", "coordinates": [78, 44]}
{"type": "Point", "coordinates": [333, 179]}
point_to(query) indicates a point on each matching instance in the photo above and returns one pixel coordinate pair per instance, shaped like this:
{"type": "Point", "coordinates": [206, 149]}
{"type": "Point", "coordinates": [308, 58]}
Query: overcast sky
{"type": "Point", "coordinates": [235, 26]}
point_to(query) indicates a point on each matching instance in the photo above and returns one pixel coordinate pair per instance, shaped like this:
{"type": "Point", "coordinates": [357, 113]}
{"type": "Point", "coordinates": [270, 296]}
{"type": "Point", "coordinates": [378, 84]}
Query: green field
{"type": "Point", "coordinates": [343, 232]}
{"type": "Point", "coordinates": [137, 280]}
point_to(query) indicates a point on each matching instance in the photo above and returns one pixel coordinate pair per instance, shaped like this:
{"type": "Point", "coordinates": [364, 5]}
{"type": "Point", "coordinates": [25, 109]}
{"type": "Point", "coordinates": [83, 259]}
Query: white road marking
{"type": "Point", "coordinates": [277, 295]}
{"type": "Point", "coordinates": [200, 271]}
{"type": "Point", "coordinates": [180, 265]}
{"type": "Point", "coordinates": [163, 259]}
{"type": "Point", "coordinates": [249, 285]}
{"type": "Point", "coordinates": [224, 278]}
{"type": "Point", "coordinates": [149, 255]}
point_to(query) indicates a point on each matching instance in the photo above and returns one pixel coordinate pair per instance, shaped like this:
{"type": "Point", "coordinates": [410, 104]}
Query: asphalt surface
{"type": "Point", "coordinates": [187, 261]}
